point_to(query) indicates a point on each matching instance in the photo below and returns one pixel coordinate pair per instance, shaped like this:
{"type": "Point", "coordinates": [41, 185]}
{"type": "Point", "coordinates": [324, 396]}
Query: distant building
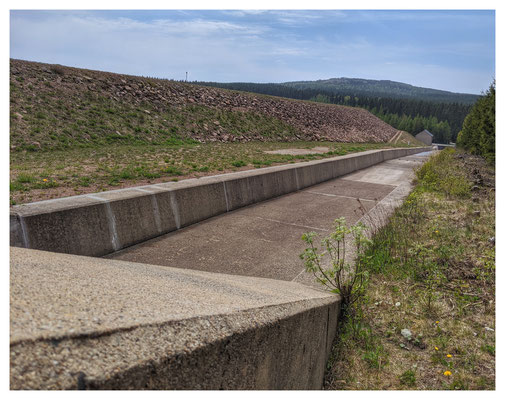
{"type": "Point", "coordinates": [425, 137]}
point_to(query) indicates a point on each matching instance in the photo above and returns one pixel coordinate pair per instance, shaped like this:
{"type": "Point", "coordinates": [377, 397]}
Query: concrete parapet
{"type": "Point", "coordinates": [102, 223]}
{"type": "Point", "coordinates": [89, 323]}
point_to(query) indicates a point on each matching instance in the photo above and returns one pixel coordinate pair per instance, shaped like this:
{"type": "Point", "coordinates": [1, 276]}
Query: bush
{"type": "Point", "coordinates": [346, 279]}
{"type": "Point", "coordinates": [478, 132]}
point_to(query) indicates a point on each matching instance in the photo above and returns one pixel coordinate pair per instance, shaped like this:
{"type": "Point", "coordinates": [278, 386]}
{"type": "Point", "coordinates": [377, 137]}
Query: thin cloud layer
{"type": "Point", "coordinates": [446, 50]}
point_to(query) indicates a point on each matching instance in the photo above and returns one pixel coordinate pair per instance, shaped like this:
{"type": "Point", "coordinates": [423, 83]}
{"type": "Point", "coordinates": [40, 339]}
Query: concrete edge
{"type": "Point", "coordinates": [102, 223]}
{"type": "Point", "coordinates": [265, 334]}
{"type": "Point", "coordinates": [224, 352]}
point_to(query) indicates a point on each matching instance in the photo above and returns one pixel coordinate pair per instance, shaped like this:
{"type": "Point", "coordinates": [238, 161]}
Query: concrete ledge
{"type": "Point", "coordinates": [102, 223]}
{"type": "Point", "coordinates": [88, 323]}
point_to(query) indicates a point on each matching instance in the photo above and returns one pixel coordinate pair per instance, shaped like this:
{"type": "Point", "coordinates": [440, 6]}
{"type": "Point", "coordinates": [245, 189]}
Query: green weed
{"type": "Point", "coordinates": [408, 378]}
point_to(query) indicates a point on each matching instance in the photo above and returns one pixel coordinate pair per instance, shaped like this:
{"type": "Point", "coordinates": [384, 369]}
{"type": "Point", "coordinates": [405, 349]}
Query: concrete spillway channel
{"type": "Point", "coordinates": [188, 285]}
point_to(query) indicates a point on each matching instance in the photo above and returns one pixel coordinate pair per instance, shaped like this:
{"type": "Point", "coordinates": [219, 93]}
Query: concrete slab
{"type": "Point", "coordinates": [310, 211]}
{"type": "Point", "coordinates": [264, 239]}
{"type": "Point", "coordinates": [392, 172]}
{"type": "Point", "coordinates": [353, 189]}
{"type": "Point", "coordinates": [88, 323]}
{"type": "Point", "coordinates": [232, 244]}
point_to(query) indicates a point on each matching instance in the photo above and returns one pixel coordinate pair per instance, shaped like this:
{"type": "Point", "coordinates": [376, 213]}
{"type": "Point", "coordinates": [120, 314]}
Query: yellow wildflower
{"type": "Point", "coordinates": [449, 355]}
{"type": "Point", "coordinates": [436, 348]}
{"type": "Point", "coordinates": [436, 231]}
{"type": "Point", "coordinates": [44, 180]}
{"type": "Point", "coordinates": [447, 373]}
{"type": "Point", "coordinates": [437, 322]}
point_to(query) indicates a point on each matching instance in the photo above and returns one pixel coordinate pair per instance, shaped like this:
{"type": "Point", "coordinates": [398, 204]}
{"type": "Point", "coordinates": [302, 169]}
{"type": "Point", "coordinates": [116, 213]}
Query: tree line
{"type": "Point", "coordinates": [478, 133]}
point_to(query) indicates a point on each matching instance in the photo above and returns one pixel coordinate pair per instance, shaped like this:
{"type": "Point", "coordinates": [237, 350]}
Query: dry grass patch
{"type": "Point", "coordinates": [44, 175]}
{"type": "Point", "coordinates": [428, 317]}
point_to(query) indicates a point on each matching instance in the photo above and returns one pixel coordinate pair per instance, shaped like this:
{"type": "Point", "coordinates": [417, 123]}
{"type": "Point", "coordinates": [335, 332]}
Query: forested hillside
{"type": "Point", "coordinates": [383, 88]}
{"type": "Point", "coordinates": [443, 119]}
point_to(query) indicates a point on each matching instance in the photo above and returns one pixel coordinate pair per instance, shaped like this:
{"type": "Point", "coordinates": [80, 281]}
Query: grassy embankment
{"type": "Point", "coordinates": [39, 175]}
{"type": "Point", "coordinates": [68, 138]}
{"type": "Point", "coordinates": [432, 272]}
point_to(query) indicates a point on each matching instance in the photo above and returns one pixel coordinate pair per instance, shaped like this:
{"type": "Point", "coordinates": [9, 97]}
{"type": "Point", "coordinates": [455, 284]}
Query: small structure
{"type": "Point", "coordinates": [425, 137]}
{"type": "Point", "coordinates": [441, 146]}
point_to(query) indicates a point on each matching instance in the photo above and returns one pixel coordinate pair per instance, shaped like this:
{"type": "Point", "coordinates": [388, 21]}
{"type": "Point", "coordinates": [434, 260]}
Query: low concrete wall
{"type": "Point", "coordinates": [101, 223]}
{"type": "Point", "coordinates": [89, 323]}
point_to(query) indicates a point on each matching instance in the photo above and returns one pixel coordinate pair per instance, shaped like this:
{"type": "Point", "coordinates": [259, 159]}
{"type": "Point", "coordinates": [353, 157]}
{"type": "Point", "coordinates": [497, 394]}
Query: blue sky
{"type": "Point", "coordinates": [450, 50]}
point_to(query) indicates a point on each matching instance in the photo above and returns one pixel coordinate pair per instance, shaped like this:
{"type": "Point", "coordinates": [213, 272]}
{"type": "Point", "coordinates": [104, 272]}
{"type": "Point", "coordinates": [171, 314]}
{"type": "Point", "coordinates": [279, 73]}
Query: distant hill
{"type": "Point", "coordinates": [383, 88]}
{"type": "Point", "coordinates": [57, 107]}
{"type": "Point", "coordinates": [405, 107]}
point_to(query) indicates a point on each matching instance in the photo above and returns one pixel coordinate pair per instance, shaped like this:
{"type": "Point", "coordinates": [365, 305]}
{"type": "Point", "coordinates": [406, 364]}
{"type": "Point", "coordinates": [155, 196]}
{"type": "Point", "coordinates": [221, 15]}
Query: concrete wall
{"type": "Point", "coordinates": [91, 323]}
{"type": "Point", "coordinates": [101, 223]}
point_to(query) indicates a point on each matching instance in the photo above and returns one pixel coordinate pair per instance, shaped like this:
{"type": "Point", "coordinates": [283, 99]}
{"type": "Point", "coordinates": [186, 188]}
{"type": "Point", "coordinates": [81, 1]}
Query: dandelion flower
{"type": "Point", "coordinates": [437, 322]}
{"type": "Point", "coordinates": [447, 373]}
{"type": "Point", "coordinates": [436, 231]}
{"type": "Point", "coordinates": [449, 355]}
{"type": "Point", "coordinates": [44, 180]}
{"type": "Point", "coordinates": [436, 348]}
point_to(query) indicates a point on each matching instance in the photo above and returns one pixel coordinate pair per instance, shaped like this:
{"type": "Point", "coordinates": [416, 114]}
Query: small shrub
{"type": "Point", "coordinates": [84, 181]}
{"type": "Point", "coordinates": [375, 356]}
{"type": "Point", "coordinates": [173, 171]}
{"type": "Point", "coordinates": [150, 175]}
{"type": "Point", "coordinates": [346, 279]}
{"type": "Point", "coordinates": [26, 178]}
{"type": "Point", "coordinates": [127, 173]}
{"type": "Point", "coordinates": [408, 378]}
{"type": "Point", "coordinates": [17, 187]}
{"type": "Point", "coordinates": [239, 163]}
{"type": "Point", "coordinates": [487, 348]}
{"type": "Point", "coordinates": [57, 69]}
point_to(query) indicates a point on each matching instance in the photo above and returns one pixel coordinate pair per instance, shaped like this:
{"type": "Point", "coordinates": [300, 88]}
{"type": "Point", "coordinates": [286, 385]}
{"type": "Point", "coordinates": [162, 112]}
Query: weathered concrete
{"type": "Point", "coordinates": [264, 239]}
{"type": "Point", "coordinates": [80, 322]}
{"type": "Point", "coordinates": [88, 323]}
{"type": "Point", "coordinates": [102, 223]}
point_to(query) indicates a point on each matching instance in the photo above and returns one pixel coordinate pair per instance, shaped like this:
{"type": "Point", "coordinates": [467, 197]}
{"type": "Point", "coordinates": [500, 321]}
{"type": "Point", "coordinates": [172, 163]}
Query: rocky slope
{"type": "Point", "coordinates": [59, 107]}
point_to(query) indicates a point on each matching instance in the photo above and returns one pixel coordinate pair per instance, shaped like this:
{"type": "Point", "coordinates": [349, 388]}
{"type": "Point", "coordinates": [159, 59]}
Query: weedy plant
{"type": "Point", "coordinates": [329, 265]}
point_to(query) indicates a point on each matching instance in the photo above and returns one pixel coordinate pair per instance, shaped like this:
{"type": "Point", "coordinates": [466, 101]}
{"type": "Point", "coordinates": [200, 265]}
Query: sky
{"type": "Point", "coordinates": [449, 50]}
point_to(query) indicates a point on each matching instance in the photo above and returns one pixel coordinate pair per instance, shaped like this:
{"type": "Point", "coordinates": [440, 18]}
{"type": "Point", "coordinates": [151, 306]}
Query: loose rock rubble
{"type": "Point", "coordinates": [314, 121]}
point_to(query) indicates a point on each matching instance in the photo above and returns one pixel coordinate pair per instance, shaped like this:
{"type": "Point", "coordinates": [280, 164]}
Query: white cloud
{"type": "Point", "coordinates": [161, 47]}
{"type": "Point", "coordinates": [249, 45]}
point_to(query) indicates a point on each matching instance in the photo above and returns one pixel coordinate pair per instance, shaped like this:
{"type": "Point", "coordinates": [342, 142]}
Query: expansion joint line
{"type": "Point", "coordinates": [111, 219]}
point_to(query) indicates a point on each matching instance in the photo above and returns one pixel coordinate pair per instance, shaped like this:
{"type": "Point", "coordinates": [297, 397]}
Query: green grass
{"type": "Point", "coordinates": [97, 168]}
{"type": "Point", "coordinates": [408, 378]}
{"type": "Point", "coordinates": [90, 120]}
{"type": "Point", "coordinates": [432, 271]}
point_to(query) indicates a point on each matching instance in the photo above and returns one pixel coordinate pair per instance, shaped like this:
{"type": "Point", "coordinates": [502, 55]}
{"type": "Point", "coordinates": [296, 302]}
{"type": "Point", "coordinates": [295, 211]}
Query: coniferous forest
{"type": "Point", "coordinates": [444, 118]}
{"type": "Point", "coordinates": [478, 133]}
